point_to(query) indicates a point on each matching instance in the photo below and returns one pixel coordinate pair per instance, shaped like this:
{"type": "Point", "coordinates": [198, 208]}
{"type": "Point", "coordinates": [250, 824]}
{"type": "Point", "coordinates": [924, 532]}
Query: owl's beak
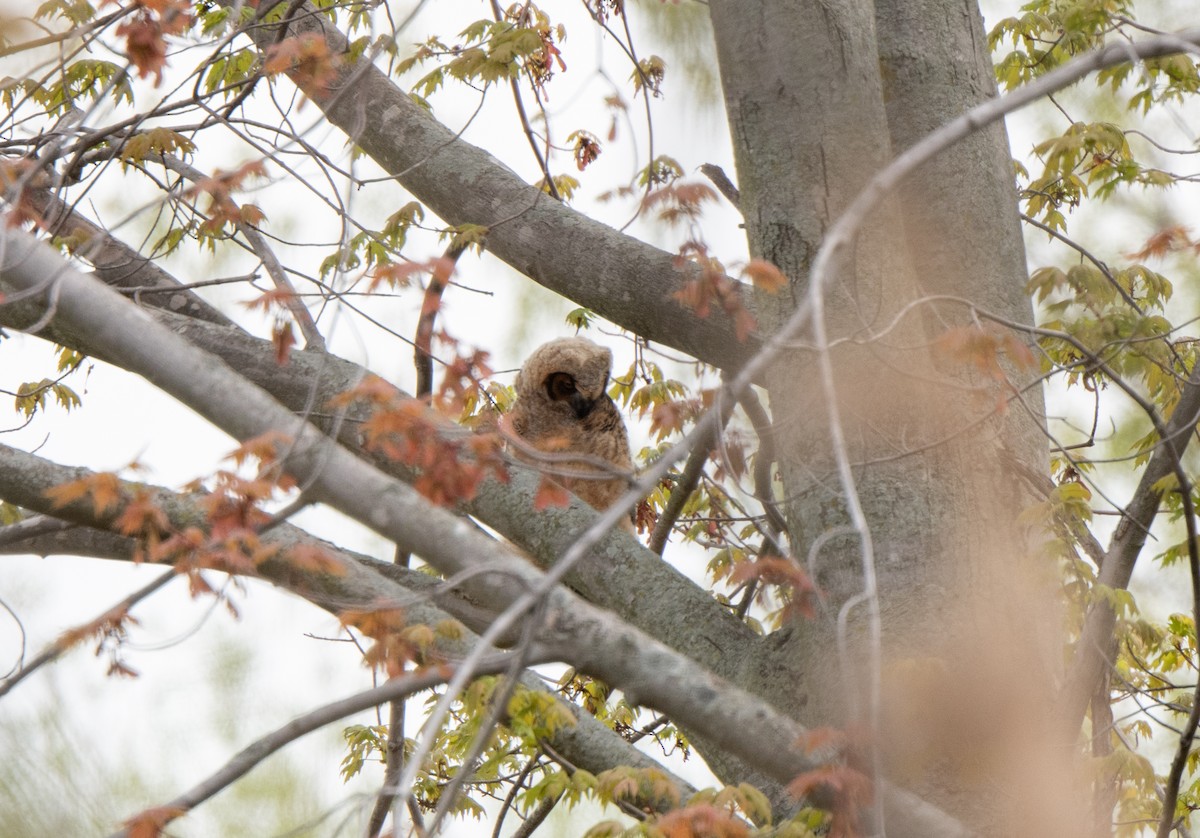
{"type": "Point", "coordinates": [581, 404]}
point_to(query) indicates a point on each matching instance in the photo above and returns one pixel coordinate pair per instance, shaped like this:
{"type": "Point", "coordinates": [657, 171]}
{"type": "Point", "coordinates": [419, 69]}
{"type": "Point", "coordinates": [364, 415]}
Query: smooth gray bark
{"type": "Point", "coordinates": [835, 88]}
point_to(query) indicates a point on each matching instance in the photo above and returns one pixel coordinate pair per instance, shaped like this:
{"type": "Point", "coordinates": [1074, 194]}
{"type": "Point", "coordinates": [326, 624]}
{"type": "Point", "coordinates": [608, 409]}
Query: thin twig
{"type": "Point", "coordinates": [543, 163]}
{"type": "Point", "coordinates": [393, 748]}
{"type": "Point", "coordinates": [423, 361]}
{"type": "Point", "coordinates": [764, 459]}
{"type": "Point", "coordinates": [118, 264]}
{"type": "Point", "coordinates": [511, 797]}
{"type": "Point", "coordinates": [252, 755]}
{"type": "Point", "coordinates": [497, 709]}
{"type": "Point", "coordinates": [535, 818]}
{"type": "Point", "coordinates": [64, 643]}
{"type": "Point", "coordinates": [271, 264]}
{"type": "Point", "coordinates": [687, 482]}
{"type": "Point", "coordinates": [430, 305]}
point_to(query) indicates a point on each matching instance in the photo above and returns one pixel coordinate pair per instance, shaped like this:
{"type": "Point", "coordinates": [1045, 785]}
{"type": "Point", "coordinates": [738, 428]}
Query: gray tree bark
{"type": "Point", "coordinates": [820, 95]}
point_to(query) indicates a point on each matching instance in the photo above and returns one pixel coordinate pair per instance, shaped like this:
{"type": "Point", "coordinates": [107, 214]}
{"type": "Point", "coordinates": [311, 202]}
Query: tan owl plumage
{"type": "Point", "coordinates": [562, 407]}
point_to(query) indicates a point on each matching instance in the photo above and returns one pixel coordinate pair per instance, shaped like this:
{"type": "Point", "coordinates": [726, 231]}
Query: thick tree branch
{"type": "Point", "coordinates": [118, 264]}
{"type": "Point", "coordinates": [341, 582]}
{"type": "Point", "coordinates": [24, 479]}
{"type": "Point", "coordinates": [625, 280]}
{"type": "Point", "coordinates": [30, 529]}
{"type": "Point", "coordinates": [620, 574]}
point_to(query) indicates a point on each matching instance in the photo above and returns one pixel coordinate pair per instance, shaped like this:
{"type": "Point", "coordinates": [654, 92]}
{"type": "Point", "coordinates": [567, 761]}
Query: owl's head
{"type": "Point", "coordinates": [568, 374]}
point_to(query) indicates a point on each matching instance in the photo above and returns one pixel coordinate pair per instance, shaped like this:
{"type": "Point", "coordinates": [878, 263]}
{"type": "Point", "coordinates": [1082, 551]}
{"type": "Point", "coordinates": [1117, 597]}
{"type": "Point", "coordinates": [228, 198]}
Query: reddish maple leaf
{"type": "Point", "coordinates": [103, 488]}
{"type": "Point", "coordinates": [283, 339]}
{"type": "Point", "coordinates": [701, 821]}
{"type": "Point", "coordinates": [150, 823]}
{"type": "Point", "coordinates": [550, 493]}
{"type": "Point", "coordinates": [144, 46]}
{"type": "Point", "coordinates": [766, 276]}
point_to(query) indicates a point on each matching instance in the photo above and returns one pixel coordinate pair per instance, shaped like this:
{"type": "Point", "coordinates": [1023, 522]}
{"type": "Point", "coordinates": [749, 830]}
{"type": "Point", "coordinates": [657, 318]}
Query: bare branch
{"type": "Point", "coordinates": [430, 305]}
{"type": "Point", "coordinates": [66, 641]}
{"type": "Point", "coordinates": [262, 249]}
{"type": "Point", "coordinates": [255, 753]}
{"type": "Point", "coordinates": [688, 481]}
{"type": "Point", "coordinates": [24, 478]}
{"type": "Point", "coordinates": [763, 460]}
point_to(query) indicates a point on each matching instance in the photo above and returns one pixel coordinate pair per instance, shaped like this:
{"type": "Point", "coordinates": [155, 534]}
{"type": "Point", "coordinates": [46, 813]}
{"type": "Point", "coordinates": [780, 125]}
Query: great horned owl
{"type": "Point", "coordinates": [562, 408]}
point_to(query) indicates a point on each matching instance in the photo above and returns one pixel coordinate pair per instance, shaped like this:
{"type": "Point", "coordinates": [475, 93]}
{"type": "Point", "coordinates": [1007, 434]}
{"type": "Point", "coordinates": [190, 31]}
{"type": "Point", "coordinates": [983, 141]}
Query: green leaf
{"type": "Point", "coordinates": [580, 318]}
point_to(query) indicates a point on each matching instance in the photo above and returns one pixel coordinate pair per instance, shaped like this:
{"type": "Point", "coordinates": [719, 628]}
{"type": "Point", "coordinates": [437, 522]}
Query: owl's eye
{"type": "Point", "coordinates": [560, 386]}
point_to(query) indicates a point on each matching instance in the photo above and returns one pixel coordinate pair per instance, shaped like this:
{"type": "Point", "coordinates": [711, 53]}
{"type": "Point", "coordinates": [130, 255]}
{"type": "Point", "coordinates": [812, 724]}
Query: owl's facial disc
{"type": "Point", "coordinates": [560, 387]}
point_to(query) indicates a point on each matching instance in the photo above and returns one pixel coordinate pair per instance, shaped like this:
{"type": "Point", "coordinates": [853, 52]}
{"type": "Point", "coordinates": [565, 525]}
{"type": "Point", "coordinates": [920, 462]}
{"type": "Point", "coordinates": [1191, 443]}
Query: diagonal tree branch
{"type": "Point", "coordinates": [118, 264]}
{"type": "Point", "coordinates": [620, 574]}
{"type": "Point", "coordinates": [1097, 644]}
{"type": "Point", "coordinates": [555, 246]}
{"type": "Point", "coordinates": [338, 583]}
{"type": "Point", "coordinates": [356, 582]}
{"type": "Point", "coordinates": [266, 255]}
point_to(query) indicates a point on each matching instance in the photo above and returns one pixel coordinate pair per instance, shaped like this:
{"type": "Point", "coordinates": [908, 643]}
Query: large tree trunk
{"type": "Point", "coordinates": [820, 94]}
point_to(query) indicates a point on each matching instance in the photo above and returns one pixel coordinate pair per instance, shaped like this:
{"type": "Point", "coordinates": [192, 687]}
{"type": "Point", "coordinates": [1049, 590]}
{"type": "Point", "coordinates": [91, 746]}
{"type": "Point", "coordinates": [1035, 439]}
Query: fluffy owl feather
{"type": "Point", "coordinates": [562, 407]}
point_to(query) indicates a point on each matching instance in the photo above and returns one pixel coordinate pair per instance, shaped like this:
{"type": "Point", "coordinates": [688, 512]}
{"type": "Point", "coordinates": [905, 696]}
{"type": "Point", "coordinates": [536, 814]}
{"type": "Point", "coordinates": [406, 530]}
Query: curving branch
{"type": "Point", "coordinates": [256, 752]}
{"type": "Point", "coordinates": [554, 245]}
